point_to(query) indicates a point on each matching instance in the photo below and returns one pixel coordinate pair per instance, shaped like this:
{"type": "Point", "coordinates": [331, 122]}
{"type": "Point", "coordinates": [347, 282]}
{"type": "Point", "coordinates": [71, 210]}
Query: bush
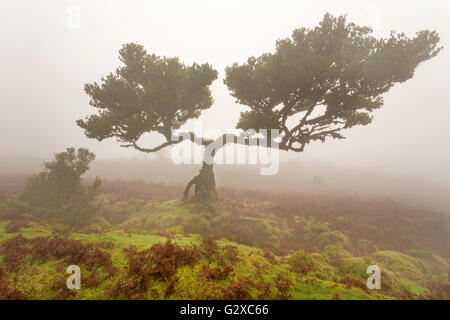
{"type": "Point", "coordinates": [57, 192]}
{"type": "Point", "coordinates": [6, 292]}
{"type": "Point", "coordinates": [73, 252]}
{"type": "Point", "coordinates": [16, 225]}
{"type": "Point", "coordinates": [283, 286]}
{"type": "Point", "coordinates": [302, 263]}
{"type": "Point", "coordinates": [217, 274]}
{"type": "Point", "coordinates": [161, 261]}
{"type": "Point", "coordinates": [239, 290]}
{"type": "Point", "coordinates": [210, 246]}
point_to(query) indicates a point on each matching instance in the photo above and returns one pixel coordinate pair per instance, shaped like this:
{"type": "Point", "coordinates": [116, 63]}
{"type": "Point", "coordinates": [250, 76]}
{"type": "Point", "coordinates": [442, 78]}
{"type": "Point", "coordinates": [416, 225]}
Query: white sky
{"type": "Point", "coordinates": [45, 63]}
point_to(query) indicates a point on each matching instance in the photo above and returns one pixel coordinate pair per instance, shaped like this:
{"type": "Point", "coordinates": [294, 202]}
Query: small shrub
{"type": "Point", "coordinates": [283, 286]}
{"type": "Point", "coordinates": [92, 280]}
{"type": "Point", "coordinates": [354, 282]}
{"type": "Point", "coordinates": [270, 257]}
{"type": "Point", "coordinates": [239, 290]}
{"type": "Point", "coordinates": [73, 252]}
{"type": "Point", "coordinates": [14, 251]}
{"type": "Point", "coordinates": [302, 263]}
{"type": "Point", "coordinates": [6, 292]}
{"type": "Point", "coordinates": [231, 253]}
{"type": "Point", "coordinates": [209, 245]}
{"type": "Point", "coordinates": [217, 274]}
{"type": "Point", "coordinates": [170, 287]}
{"type": "Point", "coordinates": [16, 225]}
{"type": "Point", "coordinates": [161, 261]}
{"type": "Point", "coordinates": [57, 194]}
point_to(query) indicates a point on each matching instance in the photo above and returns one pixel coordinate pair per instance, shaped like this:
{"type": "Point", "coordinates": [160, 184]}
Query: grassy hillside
{"type": "Point", "coordinates": [148, 245]}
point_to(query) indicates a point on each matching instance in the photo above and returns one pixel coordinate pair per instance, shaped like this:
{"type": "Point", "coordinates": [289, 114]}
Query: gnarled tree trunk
{"type": "Point", "coordinates": [205, 185]}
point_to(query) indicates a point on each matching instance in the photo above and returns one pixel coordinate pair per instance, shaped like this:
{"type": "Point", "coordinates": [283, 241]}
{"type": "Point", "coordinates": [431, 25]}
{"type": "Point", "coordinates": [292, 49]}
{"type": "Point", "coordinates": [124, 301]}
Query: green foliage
{"type": "Point", "coordinates": [148, 94]}
{"type": "Point", "coordinates": [245, 249]}
{"type": "Point", "coordinates": [191, 268]}
{"type": "Point", "coordinates": [338, 66]}
{"type": "Point", "coordinates": [302, 263]}
{"type": "Point", "coordinates": [57, 192]}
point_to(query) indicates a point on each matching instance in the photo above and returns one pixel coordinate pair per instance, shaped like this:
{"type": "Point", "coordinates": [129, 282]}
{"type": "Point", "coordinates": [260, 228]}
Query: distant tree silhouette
{"type": "Point", "coordinates": [316, 84]}
{"type": "Point", "coordinates": [57, 190]}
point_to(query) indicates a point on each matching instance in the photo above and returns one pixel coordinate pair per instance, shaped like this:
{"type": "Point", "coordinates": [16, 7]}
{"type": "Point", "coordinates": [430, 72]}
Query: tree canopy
{"type": "Point", "coordinates": [148, 94]}
{"type": "Point", "coordinates": [338, 66]}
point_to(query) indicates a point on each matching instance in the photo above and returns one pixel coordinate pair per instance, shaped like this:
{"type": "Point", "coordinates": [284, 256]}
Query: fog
{"type": "Point", "coordinates": [46, 59]}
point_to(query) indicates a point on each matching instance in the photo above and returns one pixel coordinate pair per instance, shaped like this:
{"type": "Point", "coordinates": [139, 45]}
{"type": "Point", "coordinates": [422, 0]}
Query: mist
{"type": "Point", "coordinates": [47, 57]}
{"type": "Point", "coordinates": [225, 150]}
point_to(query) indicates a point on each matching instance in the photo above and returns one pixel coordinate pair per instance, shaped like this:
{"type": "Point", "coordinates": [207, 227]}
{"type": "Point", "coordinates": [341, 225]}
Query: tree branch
{"type": "Point", "coordinates": [151, 150]}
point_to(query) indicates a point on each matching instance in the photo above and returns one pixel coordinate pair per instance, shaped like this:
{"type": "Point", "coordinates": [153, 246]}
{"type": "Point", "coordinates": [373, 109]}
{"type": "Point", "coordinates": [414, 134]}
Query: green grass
{"type": "Point", "coordinates": [332, 260]}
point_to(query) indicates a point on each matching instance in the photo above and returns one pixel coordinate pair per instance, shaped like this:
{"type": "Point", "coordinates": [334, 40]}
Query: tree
{"type": "Point", "coordinates": [316, 84]}
{"type": "Point", "coordinates": [58, 188]}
